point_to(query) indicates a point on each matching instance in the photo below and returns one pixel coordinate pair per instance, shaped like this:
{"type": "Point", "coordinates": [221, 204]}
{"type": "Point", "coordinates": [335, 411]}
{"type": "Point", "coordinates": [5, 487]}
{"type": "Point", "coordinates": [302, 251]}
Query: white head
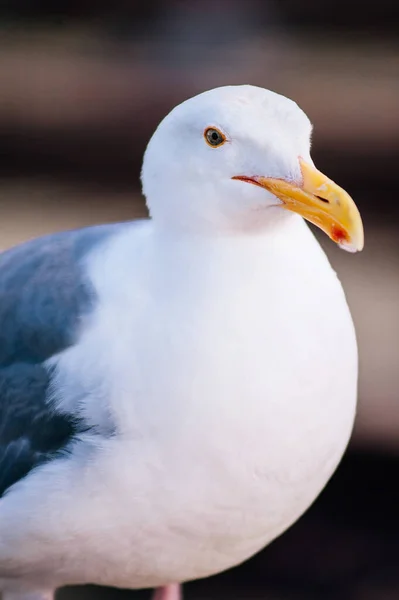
{"type": "Point", "coordinates": [236, 158]}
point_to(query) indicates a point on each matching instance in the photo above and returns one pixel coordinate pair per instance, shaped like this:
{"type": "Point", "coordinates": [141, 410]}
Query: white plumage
{"type": "Point", "coordinates": [216, 373]}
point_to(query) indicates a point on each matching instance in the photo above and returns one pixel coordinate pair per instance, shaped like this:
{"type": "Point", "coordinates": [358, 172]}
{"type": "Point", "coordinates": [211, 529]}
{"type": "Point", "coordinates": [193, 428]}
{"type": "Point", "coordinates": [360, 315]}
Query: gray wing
{"type": "Point", "coordinates": [43, 296]}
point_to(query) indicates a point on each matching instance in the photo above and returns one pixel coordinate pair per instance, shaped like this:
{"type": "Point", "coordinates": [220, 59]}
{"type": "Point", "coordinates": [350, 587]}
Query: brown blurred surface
{"type": "Point", "coordinates": [89, 94]}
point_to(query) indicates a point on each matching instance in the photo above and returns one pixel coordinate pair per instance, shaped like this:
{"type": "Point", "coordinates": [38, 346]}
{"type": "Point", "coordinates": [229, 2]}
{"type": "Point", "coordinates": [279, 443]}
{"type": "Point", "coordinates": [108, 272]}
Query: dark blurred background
{"type": "Point", "coordinates": [82, 87]}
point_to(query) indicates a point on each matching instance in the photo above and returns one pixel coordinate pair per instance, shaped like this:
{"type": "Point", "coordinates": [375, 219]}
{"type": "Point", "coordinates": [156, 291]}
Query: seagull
{"type": "Point", "coordinates": [176, 391]}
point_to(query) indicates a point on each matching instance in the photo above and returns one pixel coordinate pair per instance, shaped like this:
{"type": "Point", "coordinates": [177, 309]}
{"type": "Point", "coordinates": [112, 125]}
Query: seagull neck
{"type": "Point", "coordinates": [252, 225]}
{"type": "Point", "coordinates": [243, 247]}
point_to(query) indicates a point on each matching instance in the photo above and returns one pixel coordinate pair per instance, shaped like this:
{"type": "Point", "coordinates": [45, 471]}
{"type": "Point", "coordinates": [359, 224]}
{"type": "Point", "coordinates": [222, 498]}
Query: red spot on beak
{"type": "Point", "coordinates": [338, 234]}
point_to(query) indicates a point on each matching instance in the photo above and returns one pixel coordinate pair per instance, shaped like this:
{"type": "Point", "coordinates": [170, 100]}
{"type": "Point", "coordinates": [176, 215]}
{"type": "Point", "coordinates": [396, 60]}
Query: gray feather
{"type": "Point", "coordinates": [44, 295]}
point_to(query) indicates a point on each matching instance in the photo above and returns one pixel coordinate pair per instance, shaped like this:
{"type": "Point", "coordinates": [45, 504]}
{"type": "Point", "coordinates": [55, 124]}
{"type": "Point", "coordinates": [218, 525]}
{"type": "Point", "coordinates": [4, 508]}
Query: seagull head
{"type": "Point", "coordinates": [238, 157]}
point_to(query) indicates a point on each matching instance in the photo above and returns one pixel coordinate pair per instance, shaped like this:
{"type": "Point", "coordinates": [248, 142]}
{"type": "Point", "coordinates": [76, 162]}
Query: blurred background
{"type": "Point", "coordinates": [82, 87]}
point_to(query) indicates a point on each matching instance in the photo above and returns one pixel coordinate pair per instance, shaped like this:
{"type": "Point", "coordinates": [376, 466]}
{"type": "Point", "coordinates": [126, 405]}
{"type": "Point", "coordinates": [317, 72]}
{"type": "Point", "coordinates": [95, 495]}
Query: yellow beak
{"type": "Point", "coordinates": [320, 201]}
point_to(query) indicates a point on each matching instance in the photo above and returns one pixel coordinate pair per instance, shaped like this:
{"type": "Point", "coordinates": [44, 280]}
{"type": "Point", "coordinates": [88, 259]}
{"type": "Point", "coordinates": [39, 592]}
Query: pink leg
{"type": "Point", "coordinates": [172, 591]}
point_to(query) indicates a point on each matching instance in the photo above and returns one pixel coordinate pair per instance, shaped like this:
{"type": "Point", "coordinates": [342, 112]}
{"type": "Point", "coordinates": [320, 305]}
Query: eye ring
{"type": "Point", "coordinates": [214, 137]}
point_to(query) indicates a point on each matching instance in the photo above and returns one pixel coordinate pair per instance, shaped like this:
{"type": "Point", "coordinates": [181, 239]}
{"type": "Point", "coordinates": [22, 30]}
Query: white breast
{"type": "Point", "coordinates": [231, 386]}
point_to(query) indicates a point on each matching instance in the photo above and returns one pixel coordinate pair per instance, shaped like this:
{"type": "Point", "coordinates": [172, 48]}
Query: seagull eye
{"type": "Point", "coordinates": [214, 137]}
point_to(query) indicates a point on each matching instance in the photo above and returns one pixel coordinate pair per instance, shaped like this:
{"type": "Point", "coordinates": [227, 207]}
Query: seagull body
{"type": "Point", "coordinates": [176, 392]}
